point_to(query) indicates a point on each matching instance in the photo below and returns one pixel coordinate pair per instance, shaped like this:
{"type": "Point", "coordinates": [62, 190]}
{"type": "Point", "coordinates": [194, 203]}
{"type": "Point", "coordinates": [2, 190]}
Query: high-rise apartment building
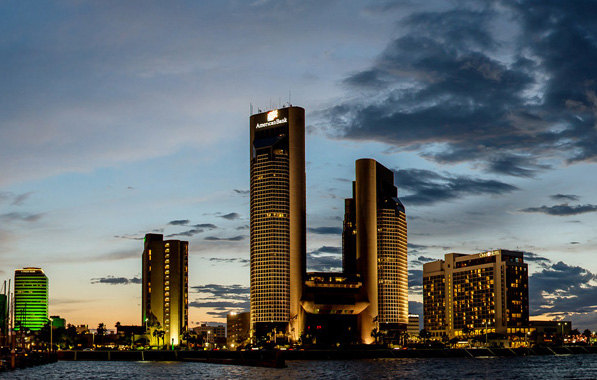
{"type": "Point", "coordinates": [375, 245]}
{"type": "Point", "coordinates": [165, 286]}
{"type": "Point", "coordinates": [473, 294]}
{"type": "Point", "coordinates": [278, 221]}
{"type": "Point", "coordinates": [30, 299]}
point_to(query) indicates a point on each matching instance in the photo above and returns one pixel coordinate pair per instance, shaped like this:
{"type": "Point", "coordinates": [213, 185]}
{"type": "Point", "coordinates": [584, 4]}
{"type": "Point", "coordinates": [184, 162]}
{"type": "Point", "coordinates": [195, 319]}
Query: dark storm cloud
{"type": "Point", "coordinates": [325, 230]}
{"type": "Point", "coordinates": [111, 280]}
{"type": "Point", "coordinates": [219, 292]}
{"type": "Point", "coordinates": [561, 288]}
{"type": "Point", "coordinates": [565, 197]}
{"type": "Point", "coordinates": [428, 187]}
{"type": "Point", "coordinates": [562, 210]}
{"type": "Point", "coordinates": [230, 216]}
{"type": "Point", "coordinates": [234, 238]}
{"type": "Point", "coordinates": [325, 259]}
{"type": "Point", "coordinates": [441, 90]}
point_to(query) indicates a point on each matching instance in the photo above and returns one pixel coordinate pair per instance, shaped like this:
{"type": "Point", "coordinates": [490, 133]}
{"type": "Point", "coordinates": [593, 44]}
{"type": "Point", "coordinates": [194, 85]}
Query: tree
{"type": "Point", "coordinates": [159, 334]}
{"type": "Point", "coordinates": [101, 331]}
{"type": "Point", "coordinates": [424, 335]}
{"type": "Point", "coordinates": [587, 333]}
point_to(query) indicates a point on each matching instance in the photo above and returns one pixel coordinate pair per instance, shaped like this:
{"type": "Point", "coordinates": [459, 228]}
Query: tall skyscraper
{"type": "Point", "coordinates": [165, 286]}
{"type": "Point", "coordinates": [483, 292]}
{"type": "Point", "coordinates": [278, 221]}
{"type": "Point", "coordinates": [375, 244]}
{"type": "Point", "coordinates": [31, 299]}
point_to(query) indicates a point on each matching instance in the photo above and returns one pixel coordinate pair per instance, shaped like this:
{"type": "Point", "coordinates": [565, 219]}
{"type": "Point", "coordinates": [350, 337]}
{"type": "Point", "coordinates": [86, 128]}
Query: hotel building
{"type": "Point", "coordinates": [30, 299]}
{"type": "Point", "coordinates": [479, 293]}
{"type": "Point", "coordinates": [278, 221]}
{"type": "Point", "coordinates": [375, 246]}
{"type": "Point", "coordinates": [165, 286]}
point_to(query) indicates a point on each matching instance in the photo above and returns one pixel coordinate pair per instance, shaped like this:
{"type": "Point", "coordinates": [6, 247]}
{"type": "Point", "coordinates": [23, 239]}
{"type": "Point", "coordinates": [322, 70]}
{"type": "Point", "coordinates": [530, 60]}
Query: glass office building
{"type": "Point", "coordinates": [30, 299]}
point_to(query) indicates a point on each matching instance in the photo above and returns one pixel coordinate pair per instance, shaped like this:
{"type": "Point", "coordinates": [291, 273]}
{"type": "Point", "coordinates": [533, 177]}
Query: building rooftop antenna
{"type": "Point", "coordinates": [289, 102]}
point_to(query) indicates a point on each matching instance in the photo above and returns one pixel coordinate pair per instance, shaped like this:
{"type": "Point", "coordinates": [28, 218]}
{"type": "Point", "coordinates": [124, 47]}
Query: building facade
{"type": "Point", "coordinates": [30, 299]}
{"type": "Point", "coordinates": [165, 287]}
{"type": "Point", "coordinates": [278, 221]}
{"type": "Point", "coordinates": [474, 294]}
{"type": "Point", "coordinates": [238, 326]}
{"type": "Point", "coordinates": [375, 245]}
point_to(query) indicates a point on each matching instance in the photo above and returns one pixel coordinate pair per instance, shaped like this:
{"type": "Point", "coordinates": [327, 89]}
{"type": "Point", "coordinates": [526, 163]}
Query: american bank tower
{"type": "Point", "coordinates": [278, 222]}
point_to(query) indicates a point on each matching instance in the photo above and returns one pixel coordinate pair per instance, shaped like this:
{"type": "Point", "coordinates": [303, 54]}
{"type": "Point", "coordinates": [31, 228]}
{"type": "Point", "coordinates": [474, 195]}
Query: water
{"type": "Point", "coordinates": [533, 367]}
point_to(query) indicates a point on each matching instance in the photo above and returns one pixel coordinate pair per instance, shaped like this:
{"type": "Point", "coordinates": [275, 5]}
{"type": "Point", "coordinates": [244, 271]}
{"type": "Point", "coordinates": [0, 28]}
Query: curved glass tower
{"type": "Point", "coordinates": [277, 221]}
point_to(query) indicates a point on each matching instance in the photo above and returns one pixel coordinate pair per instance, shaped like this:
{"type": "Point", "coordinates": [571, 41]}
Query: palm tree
{"type": "Point", "coordinates": [159, 334]}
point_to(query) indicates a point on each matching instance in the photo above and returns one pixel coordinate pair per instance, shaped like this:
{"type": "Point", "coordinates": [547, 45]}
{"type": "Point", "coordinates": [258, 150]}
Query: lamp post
{"type": "Point", "coordinates": [51, 333]}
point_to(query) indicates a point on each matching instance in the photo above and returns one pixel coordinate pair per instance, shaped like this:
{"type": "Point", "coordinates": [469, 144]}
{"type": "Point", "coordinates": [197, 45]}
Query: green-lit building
{"type": "Point", "coordinates": [31, 299]}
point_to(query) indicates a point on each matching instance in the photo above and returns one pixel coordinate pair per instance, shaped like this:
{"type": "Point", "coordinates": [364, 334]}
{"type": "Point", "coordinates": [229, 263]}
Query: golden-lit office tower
{"type": "Point", "coordinates": [375, 243]}
{"type": "Point", "coordinates": [474, 294]}
{"type": "Point", "coordinates": [30, 299]}
{"type": "Point", "coordinates": [278, 221]}
{"type": "Point", "coordinates": [165, 286]}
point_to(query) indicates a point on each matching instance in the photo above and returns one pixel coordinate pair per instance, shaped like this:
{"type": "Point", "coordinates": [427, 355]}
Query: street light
{"type": "Point", "coordinates": [51, 331]}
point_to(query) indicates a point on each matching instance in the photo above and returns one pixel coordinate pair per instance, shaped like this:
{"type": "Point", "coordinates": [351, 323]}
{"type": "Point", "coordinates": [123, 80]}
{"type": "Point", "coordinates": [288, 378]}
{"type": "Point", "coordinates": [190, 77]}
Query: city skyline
{"type": "Point", "coordinates": [119, 120]}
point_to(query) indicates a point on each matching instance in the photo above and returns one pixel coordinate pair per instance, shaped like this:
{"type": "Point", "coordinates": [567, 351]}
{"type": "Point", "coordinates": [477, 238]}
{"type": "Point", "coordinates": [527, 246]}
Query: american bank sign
{"type": "Point", "coordinates": [272, 119]}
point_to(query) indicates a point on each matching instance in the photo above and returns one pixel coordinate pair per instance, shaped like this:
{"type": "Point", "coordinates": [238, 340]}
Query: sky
{"type": "Point", "coordinates": [119, 119]}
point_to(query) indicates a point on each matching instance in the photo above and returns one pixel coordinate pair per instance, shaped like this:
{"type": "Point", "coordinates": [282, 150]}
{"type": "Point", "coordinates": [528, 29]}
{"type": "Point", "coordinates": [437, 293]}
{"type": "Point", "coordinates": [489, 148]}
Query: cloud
{"type": "Point", "coordinates": [242, 192]}
{"type": "Point", "coordinates": [129, 237]}
{"type": "Point", "coordinates": [230, 260]}
{"type": "Point", "coordinates": [234, 238]}
{"type": "Point", "coordinates": [415, 307]}
{"type": "Point", "coordinates": [415, 281]}
{"type": "Point", "coordinates": [221, 309]}
{"type": "Point", "coordinates": [325, 230]}
{"type": "Point", "coordinates": [21, 217]}
{"type": "Point", "coordinates": [504, 86]}
{"type": "Point", "coordinates": [562, 210]}
{"type": "Point", "coordinates": [230, 216]}
{"type": "Point", "coordinates": [325, 259]}
{"type": "Point", "coordinates": [427, 187]}
{"type": "Point", "coordinates": [561, 288]}
{"type": "Point", "coordinates": [111, 280]}
{"type": "Point", "coordinates": [181, 222]}
{"type": "Point", "coordinates": [422, 260]}
{"type": "Point", "coordinates": [565, 197]}
{"type": "Point", "coordinates": [20, 199]}
{"type": "Point", "coordinates": [534, 258]}
{"type": "Point", "coordinates": [14, 199]}
{"type": "Point", "coordinates": [208, 226]}
{"type": "Point", "coordinates": [215, 292]}
{"type": "Point", "coordinates": [187, 233]}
